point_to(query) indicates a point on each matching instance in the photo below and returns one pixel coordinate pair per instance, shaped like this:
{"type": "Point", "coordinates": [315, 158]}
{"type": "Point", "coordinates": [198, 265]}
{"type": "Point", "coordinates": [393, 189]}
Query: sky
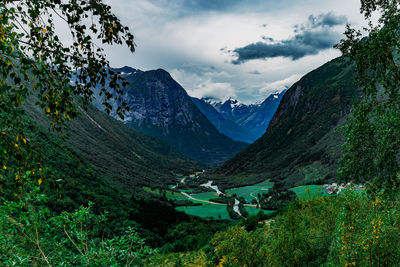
{"type": "Point", "coordinates": [233, 48]}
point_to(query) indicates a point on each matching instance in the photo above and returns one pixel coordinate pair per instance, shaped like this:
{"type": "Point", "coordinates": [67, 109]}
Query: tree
{"type": "Point", "coordinates": [35, 61]}
{"type": "Point", "coordinates": [373, 132]}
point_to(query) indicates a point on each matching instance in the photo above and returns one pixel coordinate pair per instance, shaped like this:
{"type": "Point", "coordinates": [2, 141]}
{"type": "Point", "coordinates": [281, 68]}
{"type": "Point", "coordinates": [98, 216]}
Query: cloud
{"type": "Point", "coordinates": [196, 6]}
{"type": "Point", "coordinates": [204, 81]}
{"type": "Point", "coordinates": [280, 85]}
{"type": "Point", "coordinates": [179, 35]}
{"type": "Point", "coordinates": [309, 39]}
{"type": "Point", "coordinates": [328, 19]}
{"type": "Point", "coordinates": [216, 90]}
{"type": "Point", "coordinates": [255, 72]}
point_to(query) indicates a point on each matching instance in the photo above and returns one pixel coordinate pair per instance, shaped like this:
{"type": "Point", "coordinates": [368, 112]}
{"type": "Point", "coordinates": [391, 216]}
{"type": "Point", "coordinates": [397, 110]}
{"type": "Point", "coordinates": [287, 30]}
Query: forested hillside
{"type": "Point", "coordinates": [301, 144]}
{"type": "Point", "coordinates": [126, 156]}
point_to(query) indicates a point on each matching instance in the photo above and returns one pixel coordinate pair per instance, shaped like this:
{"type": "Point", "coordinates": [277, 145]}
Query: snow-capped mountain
{"type": "Point", "coordinates": [253, 118]}
{"type": "Point", "coordinates": [223, 125]}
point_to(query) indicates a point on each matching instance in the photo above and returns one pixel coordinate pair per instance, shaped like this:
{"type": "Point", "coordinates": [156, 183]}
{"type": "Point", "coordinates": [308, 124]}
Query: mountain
{"type": "Point", "coordinates": [300, 145]}
{"type": "Point", "coordinates": [126, 157]}
{"type": "Point", "coordinates": [223, 125]}
{"type": "Point", "coordinates": [160, 107]}
{"type": "Point", "coordinates": [233, 110]}
{"type": "Point", "coordinates": [258, 120]}
{"type": "Point", "coordinates": [253, 118]}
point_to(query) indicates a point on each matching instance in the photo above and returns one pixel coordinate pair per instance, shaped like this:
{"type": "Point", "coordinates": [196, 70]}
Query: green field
{"type": "Point", "coordinates": [205, 195]}
{"type": "Point", "coordinates": [217, 212]}
{"type": "Point", "coordinates": [250, 192]}
{"type": "Point", "coordinates": [309, 191]}
{"type": "Point", "coordinates": [247, 192]}
{"type": "Point", "coordinates": [254, 211]}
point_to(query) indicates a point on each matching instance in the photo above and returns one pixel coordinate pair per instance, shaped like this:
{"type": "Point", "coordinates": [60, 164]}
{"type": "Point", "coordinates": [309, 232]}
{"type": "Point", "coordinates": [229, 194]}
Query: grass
{"type": "Point", "coordinates": [216, 212]}
{"type": "Point", "coordinates": [205, 195]}
{"type": "Point", "coordinates": [250, 192]}
{"type": "Point", "coordinates": [255, 211]}
{"type": "Point", "coordinates": [307, 192]}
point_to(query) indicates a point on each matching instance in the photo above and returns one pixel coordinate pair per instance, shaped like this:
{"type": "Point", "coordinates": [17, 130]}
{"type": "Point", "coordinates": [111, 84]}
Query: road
{"type": "Point", "coordinates": [211, 202]}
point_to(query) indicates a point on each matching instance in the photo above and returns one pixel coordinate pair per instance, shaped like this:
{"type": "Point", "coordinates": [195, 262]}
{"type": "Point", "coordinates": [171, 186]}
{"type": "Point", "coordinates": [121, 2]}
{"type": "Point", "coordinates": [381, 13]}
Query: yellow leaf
{"type": "Point", "coordinates": [3, 132]}
{"type": "Point", "coordinates": [23, 139]}
{"type": "Point", "coordinates": [16, 145]}
{"type": "Point", "coordinates": [40, 181]}
{"type": "Point", "coordinates": [4, 167]}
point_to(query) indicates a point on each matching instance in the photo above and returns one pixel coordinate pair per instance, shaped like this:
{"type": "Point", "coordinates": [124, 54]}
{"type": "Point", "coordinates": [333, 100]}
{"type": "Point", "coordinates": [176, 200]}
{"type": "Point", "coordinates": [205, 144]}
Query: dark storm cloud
{"type": "Point", "coordinates": [218, 5]}
{"type": "Point", "coordinates": [196, 6]}
{"type": "Point", "coordinates": [329, 20]}
{"type": "Point", "coordinates": [309, 39]}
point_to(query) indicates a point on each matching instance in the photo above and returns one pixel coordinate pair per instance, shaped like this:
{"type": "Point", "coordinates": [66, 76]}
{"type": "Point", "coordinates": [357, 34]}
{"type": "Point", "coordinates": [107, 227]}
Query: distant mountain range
{"type": "Point", "coordinates": [224, 125]}
{"type": "Point", "coordinates": [301, 144]}
{"type": "Point", "coordinates": [160, 107]}
{"type": "Point", "coordinates": [240, 122]}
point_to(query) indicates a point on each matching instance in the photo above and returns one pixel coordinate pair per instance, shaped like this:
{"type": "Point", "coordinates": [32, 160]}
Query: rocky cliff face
{"type": "Point", "coordinates": [160, 107]}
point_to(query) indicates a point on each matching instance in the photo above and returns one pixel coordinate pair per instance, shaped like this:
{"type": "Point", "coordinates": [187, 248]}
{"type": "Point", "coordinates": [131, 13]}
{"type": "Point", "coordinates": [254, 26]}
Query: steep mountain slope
{"type": "Point", "coordinates": [126, 157]}
{"type": "Point", "coordinates": [258, 120]}
{"type": "Point", "coordinates": [223, 125]}
{"type": "Point", "coordinates": [253, 118]}
{"type": "Point", "coordinates": [300, 144]}
{"type": "Point", "coordinates": [160, 107]}
{"type": "Point", "coordinates": [233, 110]}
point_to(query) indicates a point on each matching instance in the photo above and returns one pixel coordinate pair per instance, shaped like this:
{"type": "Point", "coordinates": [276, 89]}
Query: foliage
{"type": "Point", "coordinates": [31, 235]}
{"type": "Point", "coordinates": [277, 197]}
{"type": "Point", "coordinates": [367, 232]}
{"type": "Point", "coordinates": [191, 235]}
{"type": "Point", "coordinates": [192, 259]}
{"type": "Point", "coordinates": [34, 61]}
{"type": "Point", "coordinates": [237, 247]}
{"type": "Point", "coordinates": [345, 230]}
{"type": "Point", "coordinates": [372, 148]}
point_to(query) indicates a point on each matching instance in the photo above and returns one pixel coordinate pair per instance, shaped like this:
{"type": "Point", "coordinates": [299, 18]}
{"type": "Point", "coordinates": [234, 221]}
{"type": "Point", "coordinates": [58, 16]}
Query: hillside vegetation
{"type": "Point", "coordinates": [126, 156]}
{"type": "Point", "coordinates": [301, 144]}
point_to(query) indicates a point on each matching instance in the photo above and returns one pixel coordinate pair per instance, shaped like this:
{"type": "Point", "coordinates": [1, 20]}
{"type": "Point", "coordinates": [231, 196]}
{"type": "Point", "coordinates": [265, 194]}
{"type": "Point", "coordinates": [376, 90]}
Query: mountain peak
{"type": "Point", "coordinates": [126, 70]}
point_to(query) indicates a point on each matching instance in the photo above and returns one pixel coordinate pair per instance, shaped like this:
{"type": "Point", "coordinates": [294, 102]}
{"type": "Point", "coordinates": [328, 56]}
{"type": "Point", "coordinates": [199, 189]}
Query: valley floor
{"type": "Point", "coordinates": [204, 206]}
